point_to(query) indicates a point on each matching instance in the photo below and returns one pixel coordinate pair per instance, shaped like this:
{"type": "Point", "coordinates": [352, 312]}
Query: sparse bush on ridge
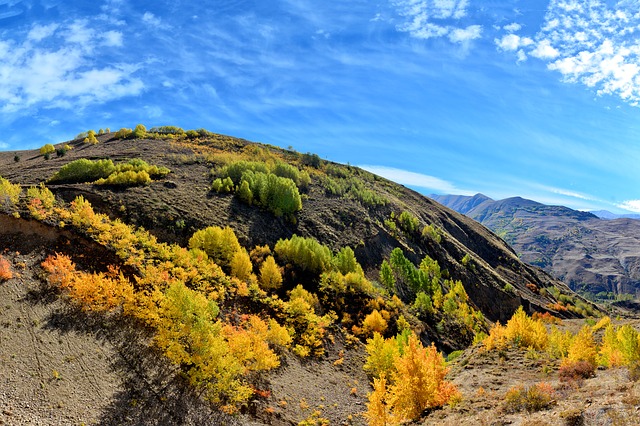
{"type": "Point", "coordinates": [47, 149]}
{"type": "Point", "coordinates": [533, 398]}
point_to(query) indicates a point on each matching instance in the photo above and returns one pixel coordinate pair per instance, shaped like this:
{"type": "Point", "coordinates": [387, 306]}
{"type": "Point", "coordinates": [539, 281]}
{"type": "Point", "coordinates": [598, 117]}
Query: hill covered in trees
{"type": "Point", "coordinates": [244, 271]}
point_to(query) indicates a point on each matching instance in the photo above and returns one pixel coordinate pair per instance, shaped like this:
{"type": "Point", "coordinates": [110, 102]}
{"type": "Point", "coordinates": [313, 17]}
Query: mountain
{"type": "Point", "coordinates": [588, 253]}
{"type": "Point", "coordinates": [604, 214]}
{"type": "Point", "coordinates": [171, 277]}
{"type": "Point", "coordinates": [460, 203]}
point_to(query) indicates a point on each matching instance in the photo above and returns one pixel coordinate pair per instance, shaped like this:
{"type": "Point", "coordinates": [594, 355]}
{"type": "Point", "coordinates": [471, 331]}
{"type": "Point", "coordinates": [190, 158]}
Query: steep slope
{"type": "Point", "coordinates": [588, 253]}
{"type": "Point", "coordinates": [174, 208]}
{"type": "Point", "coordinates": [191, 334]}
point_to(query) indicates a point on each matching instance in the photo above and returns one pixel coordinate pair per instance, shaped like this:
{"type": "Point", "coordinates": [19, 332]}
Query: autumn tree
{"type": "Point", "coordinates": [270, 275]}
{"type": "Point", "coordinates": [219, 244]}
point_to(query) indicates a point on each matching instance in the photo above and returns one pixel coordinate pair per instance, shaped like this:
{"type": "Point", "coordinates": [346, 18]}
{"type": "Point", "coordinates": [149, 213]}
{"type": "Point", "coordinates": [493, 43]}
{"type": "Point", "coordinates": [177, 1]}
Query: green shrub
{"type": "Point", "coordinates": [104, 172]}
{"type": "Point", "coordinates": [345, 261]}
{"type": "Point", "coordinates": [219, 244]}
{"type": "Point", "coordinates": [128, 178]}
{"type": "Point", "coordinates": [432, 232]}
{"type": "Point", "coordinates": [140, 132]}
{"type": "Point", "coordinates": [408, 222]}
{"type": "Point", "coordinates": [83, 170]}
{"type": "Point", "coordinates": [306, 254]}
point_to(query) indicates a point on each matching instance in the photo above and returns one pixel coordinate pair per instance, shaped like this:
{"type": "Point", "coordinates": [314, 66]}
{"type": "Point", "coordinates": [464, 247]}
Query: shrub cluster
{"type": "Point", "coordinates": [275, 188]}
{"type": "Point", "coordinates": [105, 172]}
{"type": "Point", "coordinates": [533, 398]}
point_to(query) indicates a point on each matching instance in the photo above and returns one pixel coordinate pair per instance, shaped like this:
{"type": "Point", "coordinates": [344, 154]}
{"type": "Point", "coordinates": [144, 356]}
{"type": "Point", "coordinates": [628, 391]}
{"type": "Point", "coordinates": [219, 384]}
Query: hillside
{"type": "Point", "coordinates": [588, 253]}
{"type": "Point", "coordinates": [118, 268]}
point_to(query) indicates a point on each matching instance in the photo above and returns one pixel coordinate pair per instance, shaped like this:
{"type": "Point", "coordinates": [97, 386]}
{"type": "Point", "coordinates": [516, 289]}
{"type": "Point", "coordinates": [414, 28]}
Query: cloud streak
{"type": "Point", "coordinates": [420, 180]}
{"type": "Point", "coordinates": [630, 205]}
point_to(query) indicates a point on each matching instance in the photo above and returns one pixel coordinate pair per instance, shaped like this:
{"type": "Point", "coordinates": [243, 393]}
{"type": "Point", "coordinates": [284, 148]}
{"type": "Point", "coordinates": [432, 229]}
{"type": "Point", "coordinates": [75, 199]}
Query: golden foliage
{"type": "Point", "coordinates": [241, 266]}
{"type": "Point", "coordinates": [521, 331]}
{"type": "Point", "coordinates": [374, 323]}
{"type": "Point", "coordinates": [378, 411]}
{"type": "Point", "coordinates": [220, 244]}
{"type": "Point", "coordinates": [382, 356]}
{"type": "Point", "coordinates": [418, 382]}
{"type": "Point", "coordinates": [9, 193]}
{"type": "Point", "coordinates": [583, 347]}
{"type": "Point", "coordinates": [416, 376]}
{"type": "Point", "coordinates": [60, 269]}
{"type": "Point", "coordinates": [40, 201]}
{"type": "Point", "coordinates": [559, 343]}
{"type": "Point", "coordinates": [270, 274]}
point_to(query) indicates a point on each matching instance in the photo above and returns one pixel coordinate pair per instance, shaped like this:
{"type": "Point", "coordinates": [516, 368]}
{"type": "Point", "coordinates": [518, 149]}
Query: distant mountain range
{"type": "Point", "coordinates": [605, 214]}
{"type": "Point", "coordinates": [590, 251]}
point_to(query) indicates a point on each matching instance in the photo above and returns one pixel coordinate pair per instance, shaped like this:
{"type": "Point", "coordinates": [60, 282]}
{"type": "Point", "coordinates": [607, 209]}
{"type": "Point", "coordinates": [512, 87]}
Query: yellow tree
{"type": "Point", "coordinates": [418, 382]}
{"type": "Point", "coordinates": [270, 275]}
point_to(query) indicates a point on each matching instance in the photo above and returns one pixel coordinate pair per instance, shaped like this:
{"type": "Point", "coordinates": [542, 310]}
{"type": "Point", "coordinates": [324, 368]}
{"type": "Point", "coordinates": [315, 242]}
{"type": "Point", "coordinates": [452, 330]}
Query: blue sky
{"type": "Point", "coordinates": [531, 98]}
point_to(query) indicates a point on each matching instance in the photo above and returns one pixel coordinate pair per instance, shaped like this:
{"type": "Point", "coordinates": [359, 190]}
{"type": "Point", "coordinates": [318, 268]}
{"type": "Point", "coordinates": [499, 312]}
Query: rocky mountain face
{"type": "Point", "coordinates": [588, 253]}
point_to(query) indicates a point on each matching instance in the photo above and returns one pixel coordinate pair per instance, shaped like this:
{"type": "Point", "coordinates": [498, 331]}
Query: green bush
{"type": "Point", "coordinates": [305, 253]}
{"type": "Point", "coordinates": [128, 178]}
{"type": "Point", "coordinates": [104, 172]}
{"type": "Point", "coordinates": [277, 194]}
{"type": "Point", "coordinates": [83, 170]}
{"type": "Point", "coordinates": [219, 244]}
{"type": "Point", "coordinates": [408, 222]}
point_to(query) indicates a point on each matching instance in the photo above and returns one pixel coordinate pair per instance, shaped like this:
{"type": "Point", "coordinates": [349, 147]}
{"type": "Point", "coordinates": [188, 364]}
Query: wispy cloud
{"type": "Point", "coordinates": [32, 73]}
{"type": "Point", "coordinates": [592, 43]}
{"type": "Point", "coordinates": [567, 192]}
{"type": "Point", "coordinates": [630, 205]}
{"type": "Point", "coordinates": [420, 180]}
{"type": "Point", "coordinates": [426, 19]}
{"type": "Point", "coordinates": [151, 19]}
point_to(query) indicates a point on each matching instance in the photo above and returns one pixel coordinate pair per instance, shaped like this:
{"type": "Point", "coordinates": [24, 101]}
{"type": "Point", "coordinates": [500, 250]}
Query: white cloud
{"type": "Point", "coordinates": [512, 42]}
{"type": "Point", "coordinates": [593, 43]}
{"type": "Point", "coordinates": [630, 205]}
{"type": "Point", "coordinates": [544, 50]}
{"type": "Point", "coordinates": [420, 180]}
{"type": "Point", "coordinates": [34, 74]}
{"type": "Point", "coordinates": [512, 27]}
{"type": "Point", "coordinates": [151, 19]}
{"type": "Point", "coordinates": [425, 19]}
{"type": "Point", "coordinates": [40, 32]}
{"type": "Point", "coordinates": [460, 35]}
{"type": "Point", "coordinates": [112, 38]}
{"type": "Point", "coordinates": [4, 145]}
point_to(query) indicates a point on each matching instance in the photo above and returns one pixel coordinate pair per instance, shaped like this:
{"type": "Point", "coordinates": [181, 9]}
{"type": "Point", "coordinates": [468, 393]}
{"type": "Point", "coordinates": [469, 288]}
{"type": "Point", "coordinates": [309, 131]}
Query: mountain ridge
{"type": "Point", "coordinates": [589, 253]}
